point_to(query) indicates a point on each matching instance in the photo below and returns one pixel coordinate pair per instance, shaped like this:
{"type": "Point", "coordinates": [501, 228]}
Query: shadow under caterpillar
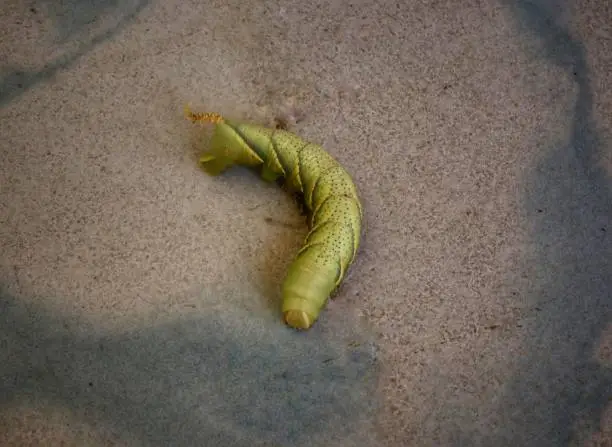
{"type": "Point", "coordinates": [323, 187]}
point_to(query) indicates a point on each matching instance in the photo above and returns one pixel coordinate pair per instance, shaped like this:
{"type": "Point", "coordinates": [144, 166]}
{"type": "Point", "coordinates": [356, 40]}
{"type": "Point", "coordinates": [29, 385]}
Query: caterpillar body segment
{"type": "Point", "coordinates": [329, 196]}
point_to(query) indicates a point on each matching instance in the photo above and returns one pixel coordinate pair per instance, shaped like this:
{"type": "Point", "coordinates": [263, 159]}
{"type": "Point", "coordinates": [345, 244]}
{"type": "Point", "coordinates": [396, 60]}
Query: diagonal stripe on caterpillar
{"type": "Point", "coordinates": [329, 195]}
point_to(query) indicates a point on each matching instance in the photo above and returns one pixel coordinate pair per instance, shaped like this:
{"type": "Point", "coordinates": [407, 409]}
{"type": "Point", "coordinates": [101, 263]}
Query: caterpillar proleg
{"type": "Point", "coordinates": [329, 196]}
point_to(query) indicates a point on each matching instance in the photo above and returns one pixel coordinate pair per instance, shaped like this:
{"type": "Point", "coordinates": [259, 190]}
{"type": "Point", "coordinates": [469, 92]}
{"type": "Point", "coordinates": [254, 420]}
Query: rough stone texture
{"type": "Point", "coordinates": [139, 297]}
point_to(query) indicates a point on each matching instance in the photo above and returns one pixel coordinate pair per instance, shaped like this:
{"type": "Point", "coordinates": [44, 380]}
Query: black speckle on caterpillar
{"type": "Point", "coordinates": [325, 191]}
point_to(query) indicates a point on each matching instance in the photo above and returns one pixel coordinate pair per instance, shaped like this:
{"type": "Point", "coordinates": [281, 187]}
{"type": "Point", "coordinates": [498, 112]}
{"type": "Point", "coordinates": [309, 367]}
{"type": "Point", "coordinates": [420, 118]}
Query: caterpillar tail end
{"type": "Point", "coordinates": [213, 165]}
{"type": "Point", "coordinates": [206, 117]}
{"type": "Point", "coordinates": [298, 319]}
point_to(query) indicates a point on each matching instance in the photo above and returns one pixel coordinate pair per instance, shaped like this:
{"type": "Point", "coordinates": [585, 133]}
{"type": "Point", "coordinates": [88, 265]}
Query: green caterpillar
{"type": "Point", "coordinates": [326, 190]}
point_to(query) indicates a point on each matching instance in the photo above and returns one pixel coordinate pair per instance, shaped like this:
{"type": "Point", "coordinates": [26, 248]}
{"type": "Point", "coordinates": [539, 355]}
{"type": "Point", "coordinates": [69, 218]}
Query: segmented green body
{"type": "Point", "coordinates": [329, 195]}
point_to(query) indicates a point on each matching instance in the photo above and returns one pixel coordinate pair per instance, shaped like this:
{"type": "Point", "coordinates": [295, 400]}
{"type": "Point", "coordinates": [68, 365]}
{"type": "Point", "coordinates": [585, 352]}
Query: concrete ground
{"type": "Point", "coordinates": [139, 297]}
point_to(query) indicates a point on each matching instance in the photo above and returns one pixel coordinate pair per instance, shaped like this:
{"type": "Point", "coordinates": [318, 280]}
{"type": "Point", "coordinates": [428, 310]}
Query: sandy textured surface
{"type": "Point", "coordinates": [140, 297]}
